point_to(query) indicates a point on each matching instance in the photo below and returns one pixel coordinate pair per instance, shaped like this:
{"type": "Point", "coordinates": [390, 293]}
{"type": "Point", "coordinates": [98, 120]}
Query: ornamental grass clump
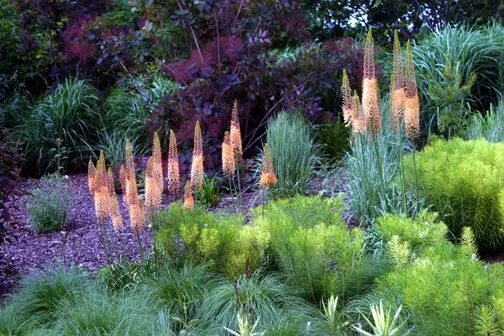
{"type": "Point", "coordinates": [293, 153]}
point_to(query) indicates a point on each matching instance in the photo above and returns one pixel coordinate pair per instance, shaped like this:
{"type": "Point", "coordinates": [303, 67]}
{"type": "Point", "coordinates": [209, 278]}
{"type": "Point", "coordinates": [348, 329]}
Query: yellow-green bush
{"type": "Point", "coordinates": [220, 242]}
{"type": "Point", "coordinates": [464, 182]}
{"type": "Point", "coordinates": [313, 246]}
{"type": "Point", "coordinates": [440, 284]}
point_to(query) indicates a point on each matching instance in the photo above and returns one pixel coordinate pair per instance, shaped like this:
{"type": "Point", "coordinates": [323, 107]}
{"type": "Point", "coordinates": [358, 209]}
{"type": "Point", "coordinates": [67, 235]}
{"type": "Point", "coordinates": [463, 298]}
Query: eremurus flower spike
{"type": "Point", "coordinates": [346, 97]}
{"type": "Point", "coordinates": [115, 214]}
{"type": "Point", "coordinates": [412, 100]}
{"type": "Point", "coordinates": [397, 86]}
{"type": "Point", "coordinates": [370, 94]}
{"type": "Point", "coordinates": [173, 166]}
{"type": "Point", "coordinates": [228, 156]}
{"type": "Point", "coordinates": [235, 134]}
{"type": "Point", "coordinates": [91, 176]}
{"type": "Point", "coordinates": [268, 177]}
{"type": "Point", "coordinates": [188, 196]}
{"type": "Point", "coordinates": [197, 159]}
{"type": "Point", "coordinates": [154, 177]}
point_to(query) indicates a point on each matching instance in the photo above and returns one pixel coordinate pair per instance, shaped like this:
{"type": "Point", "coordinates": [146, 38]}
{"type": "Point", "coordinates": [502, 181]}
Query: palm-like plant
{"type": "Point", "coordinates": [384, 323]}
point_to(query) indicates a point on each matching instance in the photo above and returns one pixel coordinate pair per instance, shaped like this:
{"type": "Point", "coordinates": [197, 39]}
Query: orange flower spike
{"type": "Point", "coordinates": [235, 135]}
{"type": "Point", "coordinates": [370, 95]}
{"type": "Point", "coordinates": [122, 179]}
{"type": "Point", "coordinates": [158, 163]}
{"type": "Point", "coordinates": [137, 215]}
{"type": "Point", "coordinates": [173, 167]}
{"type": "Point", "coordinates": [197, 171]}
{"type": "Point", "coordinates": [346, 95]}
{"type": "Point", "coordinates": [228, 156]}
{"type": "Point", "coordinates": [188, 196]}
{"type": "Point", "coordinates": [101, 190]}
{"type": "Point", "coordinates": [359, 121]}
{"type": "Point", "coordinates": [268, 177]}
{"type": "Point", "coordinates": [113, 205]}
{"type": "Point", "coordinates": [150, 185]}
{"type": "Point", "coordinates": [412, 100]}
{"type": "Point", "coordinates": [91, 177]}
{"type": "Point", "coordinates": [397, 86]}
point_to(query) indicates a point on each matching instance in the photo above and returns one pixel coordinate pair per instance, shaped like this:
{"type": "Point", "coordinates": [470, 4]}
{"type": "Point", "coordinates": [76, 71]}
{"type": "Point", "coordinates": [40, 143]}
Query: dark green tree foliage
{"type": "Point", "coordinates": [330, 18]}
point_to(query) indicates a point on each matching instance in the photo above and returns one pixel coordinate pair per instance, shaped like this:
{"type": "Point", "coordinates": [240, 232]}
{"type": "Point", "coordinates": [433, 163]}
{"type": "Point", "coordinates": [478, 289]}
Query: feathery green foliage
{"type": "Point", "coordinates": [440, 284]}
{"type": "Point", "coordinates": [463, 180]}
{"type": "Point", "coordinates": [223, 244]}
{"type": "Point", "coordinates": [293, 150]}
{"type": "Point", "coordinates": [313, 247]}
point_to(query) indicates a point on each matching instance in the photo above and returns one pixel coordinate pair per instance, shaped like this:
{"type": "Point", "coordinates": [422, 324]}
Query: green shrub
{"type": "Point", "coordinates": [463, 181]}
{"type": "Point", "coordinates": [313, 247]}
{"type": "Point", "coordinates": [293, 150]}
{"type": "Point", "coordinates": [47, 205]}
{"type": "Point", "coordinates": [490, 126]}
{"type": "Point", "coordinates": [60, 124]}
{"type": "Point", "coordinates": [424, 231]}
{"type": "Point", "coordinates": [223, 244]}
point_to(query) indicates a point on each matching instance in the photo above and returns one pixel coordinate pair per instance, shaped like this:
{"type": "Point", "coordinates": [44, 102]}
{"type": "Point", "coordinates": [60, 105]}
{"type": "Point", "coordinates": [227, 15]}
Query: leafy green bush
{"type": "Point", "coordinates": [59, 126]}
{"type": "Point", "coordinates": [312, 246]}
{"type": "Point", "coordinates": [489, 126]}
{"type": "Point", "coordinates": [463, 180]}
{"type": "Point", "coordinates": [197, 237]}
{"type": "Point", "coordinates": [293, 150]}
{"type": "Point", "coordinates": [440, 285]}
{"type": "Point", "coordinates": [47, 205]}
